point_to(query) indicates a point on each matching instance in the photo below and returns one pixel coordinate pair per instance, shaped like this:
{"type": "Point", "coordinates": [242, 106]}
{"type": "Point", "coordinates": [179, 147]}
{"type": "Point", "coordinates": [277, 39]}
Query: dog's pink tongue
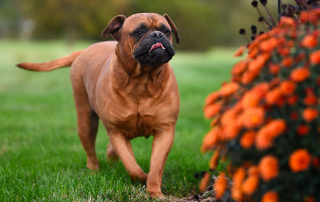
{"type": "Point", "coordinates": [155, 46]}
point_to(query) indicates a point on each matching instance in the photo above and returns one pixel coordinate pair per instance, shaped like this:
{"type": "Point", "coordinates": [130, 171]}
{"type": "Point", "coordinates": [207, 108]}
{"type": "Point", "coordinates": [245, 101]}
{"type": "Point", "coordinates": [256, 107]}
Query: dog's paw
{"type": "Point", "coordinates": [157, 195]}
{"type": "Point", "coordinates": [93, 165]}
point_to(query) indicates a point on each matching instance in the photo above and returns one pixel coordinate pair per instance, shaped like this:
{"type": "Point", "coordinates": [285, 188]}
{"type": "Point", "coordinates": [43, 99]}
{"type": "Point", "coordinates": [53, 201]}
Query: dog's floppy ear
{"type": "Point", "coordinates": [114, 27]}
{"type": "Point", "coordinates": [173, 27]}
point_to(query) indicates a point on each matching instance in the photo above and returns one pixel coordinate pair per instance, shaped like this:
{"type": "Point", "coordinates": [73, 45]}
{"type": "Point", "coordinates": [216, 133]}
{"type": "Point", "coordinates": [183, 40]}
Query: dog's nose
{"type": "Point", "coordinates": [157, 34]}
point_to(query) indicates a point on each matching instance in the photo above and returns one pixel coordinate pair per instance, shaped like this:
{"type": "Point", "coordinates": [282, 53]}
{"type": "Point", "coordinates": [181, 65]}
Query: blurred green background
{"type": "Point", "coordinates": [201, 23]}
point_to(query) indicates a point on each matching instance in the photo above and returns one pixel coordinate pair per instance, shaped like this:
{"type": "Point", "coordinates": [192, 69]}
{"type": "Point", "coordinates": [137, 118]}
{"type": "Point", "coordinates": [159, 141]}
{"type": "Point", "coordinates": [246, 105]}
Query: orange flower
{"type": "Point", "coordinates": [229, 88]}
{"type": "Point", "coordinates": [250, 185]}
{"type": "Point", "coordinates": [315, 57]}
{"type": "Point", "coordinates": [236, 193]}
{"type": "Point", "coordinates": [253, 53]}
{"type": "Point", "coordinates": [303, 130]}
{"type": "Point", "coordinates": [220, 186]}
{"type": "Point", "coordinates": [211, 110]}
{"type": "Point", "coordinates": [310, 99]}
{"type": "Point", "coordinates": [240, 51]}
{"type": "Point", "coordinates": [253, 171]}
{"type": "Point", "coordinates": [276, 127]}
{"type": "Point", "coordinates": [287, 87]}
{"type": "Point", "coordinates": [211, 139]}
{"type": "Point", "coordinates": [214, 159]}
{"type": "Point", "coordinates": [231, 131]}
{"type": "Point", "coordinates": [273, 96]}
{"type": "Point", "coordinates": [268, 45]}
{"type": "Point", "coordinates": [286, 21]}
{"type": "Point", "coordinates": [212, 97]}
{"type": "Point", "coordinates": [268, 132]}
{"type": "Point", "coordinates": [263, 140]}
{"type": "Point", "coordinates": [261, 88]}
{"type": "Point", "coordinates": [247, 139]}
{"type": "Point", "coordinates": [270, 196]}
{"type": "Point", "coordinates": [252, 117]}
{"type": "Point", "coordinates": [287, 62]}
{"type": "Point", "coordinates": [227, 116]}
{"type": "Point", "coordinates": [300, 74]}
{"type": "Point", "coordinates": [239, 67]}
{"type": "Point", "coordinates": [214, 121]}
{"type": "Point", "coordinates": [248, 77]}
{"type": "Point", "coordinates": [239, 176]}
{"type": "Point", "coordinates": [274, 68]}
{"type": "Point", "coordinates": [257, 64]}
{"type": "Point", "coordinates": [299, 160]}
{"type": "Point", "coordinates": [268, 167]}
{"type": "Point", "coordinates": [205, 182]}
{"type": "Point", "coordinates": [283, 51]}
{"type": "Point", "coordinates": [304, 16]}
{"type": "Point", "coordinates": [251, 99]}
{"type": "Point", "coordinates": [310, 114]}
{"type": "Point", "coordinates": [309, 41]}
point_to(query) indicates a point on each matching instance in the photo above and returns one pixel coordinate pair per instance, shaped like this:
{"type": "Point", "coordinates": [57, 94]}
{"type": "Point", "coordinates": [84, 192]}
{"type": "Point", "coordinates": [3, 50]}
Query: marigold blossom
{"type": "Point", "coordinates": [247, 139]}
{"type": "Point", "coordinates": [287, 62]}
{"type": "Point", "coordinates": [229, 88]}
{"type": "Point", "coordinates": [251, 99]}
{"type": "Point", "coordinates": [250, 185]}
{"type": "Point", "coordinates": [269, 44]}
{"type": "Point", "coordinates": [310, 114]}
{"type": "Point", "coordinates": [239, 67]}
{"type": "Point", "coordinates": [212, 97]}
{"type": "Point", "coordinates": [239, 52]}
{"type": "Point", "coordinates": [268, 167]}
{"type": "Point", "coordinates": [248, 77]}
{"type": "Point", "coordinates": [309, 41]}
{"type": "Point", "coordinates": [252, 117]}
{"type": "Point", "coordinates": [220, 186]}
{"type": "Point", "coordinates": [211, 110]}
{"type": "Point", "coordinates": [211, 139]}
{"type": "Point", "coordinates": [300, 74]}
{"type": "Point", "coordinates": [299, 160]}
{"type": "Point", "coordinates": [205, 181]}
{"type": "Point", "coordinates": [270, 196]}
{"type": "Point", "coordinates": [287, 87]}
{"type": "Point", "coordinates": [257, 64]}
{"type": "Point", "coordinates": [315, 57]}
{"type": "Point", "coordinates": [273, 96]}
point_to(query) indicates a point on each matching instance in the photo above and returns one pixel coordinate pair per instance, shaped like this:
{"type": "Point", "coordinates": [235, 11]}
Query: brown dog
{"type": "Point", "coordinates": [131, 87]}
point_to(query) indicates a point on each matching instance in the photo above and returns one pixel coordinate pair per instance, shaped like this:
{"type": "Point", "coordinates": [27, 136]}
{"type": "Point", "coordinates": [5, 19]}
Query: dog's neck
{"type": "Point", "coordinates": [134, 70]}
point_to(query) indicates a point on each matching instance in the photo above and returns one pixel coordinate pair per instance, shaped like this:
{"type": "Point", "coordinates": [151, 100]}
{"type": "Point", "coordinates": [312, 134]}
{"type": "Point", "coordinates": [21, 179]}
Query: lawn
{"type": "Point", "coordinates": [41, 157]}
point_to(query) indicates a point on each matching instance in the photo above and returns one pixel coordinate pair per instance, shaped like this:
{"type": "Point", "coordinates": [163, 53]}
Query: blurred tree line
{"type": "Point", "coordinates": [201, 23]}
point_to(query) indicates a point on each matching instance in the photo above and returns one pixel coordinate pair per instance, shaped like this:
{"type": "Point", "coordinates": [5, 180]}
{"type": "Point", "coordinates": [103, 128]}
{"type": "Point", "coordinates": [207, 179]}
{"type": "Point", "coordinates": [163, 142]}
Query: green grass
{"type": "Point", "coordinates": [41, 158]}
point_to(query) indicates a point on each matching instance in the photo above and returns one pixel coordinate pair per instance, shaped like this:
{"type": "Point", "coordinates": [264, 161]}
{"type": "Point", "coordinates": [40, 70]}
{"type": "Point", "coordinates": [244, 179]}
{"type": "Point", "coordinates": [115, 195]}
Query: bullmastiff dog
{"type": "Point", "coordinates": [130, 86]}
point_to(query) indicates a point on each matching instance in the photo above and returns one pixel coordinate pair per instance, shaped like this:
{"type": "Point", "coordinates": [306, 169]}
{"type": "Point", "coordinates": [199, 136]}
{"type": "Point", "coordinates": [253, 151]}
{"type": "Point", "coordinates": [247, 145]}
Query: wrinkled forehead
{"type": "Point", "coordinates": [150, 20]}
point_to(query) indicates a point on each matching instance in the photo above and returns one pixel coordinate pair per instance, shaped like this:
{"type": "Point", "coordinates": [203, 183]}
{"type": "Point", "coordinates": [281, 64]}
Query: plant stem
{"type": "Point", "coordinates": [270, 16]}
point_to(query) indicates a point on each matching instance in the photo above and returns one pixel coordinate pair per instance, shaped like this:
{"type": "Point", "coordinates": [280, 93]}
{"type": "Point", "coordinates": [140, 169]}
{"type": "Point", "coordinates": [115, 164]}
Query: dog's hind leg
{"type": "Point", "coordinates": [88, 122]}
{"type": "Point", "coordinates": [87, 129]}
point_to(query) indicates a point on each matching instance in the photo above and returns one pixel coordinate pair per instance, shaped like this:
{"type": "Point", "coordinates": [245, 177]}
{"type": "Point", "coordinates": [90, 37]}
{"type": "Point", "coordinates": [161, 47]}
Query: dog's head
{"type": "Point", "coordinates": [146, 36]}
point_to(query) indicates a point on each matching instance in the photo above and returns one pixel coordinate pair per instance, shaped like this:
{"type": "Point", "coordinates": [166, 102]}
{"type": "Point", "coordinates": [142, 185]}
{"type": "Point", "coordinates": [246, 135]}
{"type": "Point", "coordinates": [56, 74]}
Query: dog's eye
{"type": "Point", "coordinates": [139, 33]}
{"type": "Point", "coordinates": [167, 32]}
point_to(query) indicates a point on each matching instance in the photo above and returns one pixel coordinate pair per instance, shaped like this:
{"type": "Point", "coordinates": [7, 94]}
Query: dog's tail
{"type": "Point", "coordinates": [48, 66]}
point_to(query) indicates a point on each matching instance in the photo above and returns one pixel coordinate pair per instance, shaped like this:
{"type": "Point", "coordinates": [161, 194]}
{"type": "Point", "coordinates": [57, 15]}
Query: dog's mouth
{"type": "Point", "coordinates": [155, 46]}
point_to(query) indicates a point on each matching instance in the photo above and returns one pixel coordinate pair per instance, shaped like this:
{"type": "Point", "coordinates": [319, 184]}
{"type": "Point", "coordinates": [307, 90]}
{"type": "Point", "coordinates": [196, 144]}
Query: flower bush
{"type": "Point", "coordinates": [266, 120]}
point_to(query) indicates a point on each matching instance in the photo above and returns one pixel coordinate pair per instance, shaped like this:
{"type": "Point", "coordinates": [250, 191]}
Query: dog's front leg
{"type": "Point", "coordinates": [123, 149]}
{"type": "Point", "coordinates": [162, 143]}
